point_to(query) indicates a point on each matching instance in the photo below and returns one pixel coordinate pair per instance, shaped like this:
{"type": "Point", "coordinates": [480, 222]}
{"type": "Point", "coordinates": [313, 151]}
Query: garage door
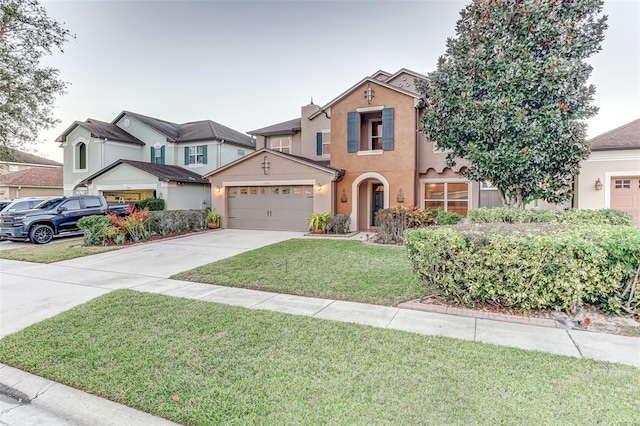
{"type": "Point", "coordinates": [275, 208]}
{"type": "Point", "coordinates": [625, 195]}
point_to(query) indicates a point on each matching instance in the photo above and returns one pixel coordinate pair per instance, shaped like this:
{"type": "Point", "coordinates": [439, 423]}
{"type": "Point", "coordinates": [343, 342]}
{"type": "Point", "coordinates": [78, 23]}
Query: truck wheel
{"type": "Point", "coordinates": [41, 234]}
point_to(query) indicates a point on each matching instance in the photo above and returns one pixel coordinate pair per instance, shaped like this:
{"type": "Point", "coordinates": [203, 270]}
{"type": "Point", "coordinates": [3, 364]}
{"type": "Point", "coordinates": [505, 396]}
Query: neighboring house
{"type": "Point", "coordinates": [610, 177]}
{"type": "Point", "coordinates": [105, 158]}
{"type": "Point", "coordinates": [355, 155]}
{"type": "Point", "coordinates": [45, 177]}
{"type": "Point", "coordinates": [32, 182]}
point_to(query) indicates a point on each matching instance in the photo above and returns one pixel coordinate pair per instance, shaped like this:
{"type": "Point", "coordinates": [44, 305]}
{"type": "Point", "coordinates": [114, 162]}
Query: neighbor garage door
{"type": "Point", "coordinates": [276, 208]}
{"type": "Point", "coordinates": [625, 195]}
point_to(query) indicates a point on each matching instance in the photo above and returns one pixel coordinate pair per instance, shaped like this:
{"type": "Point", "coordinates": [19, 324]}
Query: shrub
{"type": "Point", "coordinates": [340, 223]}
{"type": "Point", "coordinates": [132, 226]}
{"type": "Point", "coordinates": [545, 266]}
{"type": "Point", "coordinates": [571, 216]}
{"type": "Point", "coordinates": [392, 222]}
{"type": "Point", "coordinates": [152, 204]}
{"type": "Point", "coordinates": [97, 229]}
{"type": "Point", "coordinates": [319, 221]}
{"type": "Point", "coordinates": [174, 221]}
{"type": "Point", "coordinates": [448, 218]}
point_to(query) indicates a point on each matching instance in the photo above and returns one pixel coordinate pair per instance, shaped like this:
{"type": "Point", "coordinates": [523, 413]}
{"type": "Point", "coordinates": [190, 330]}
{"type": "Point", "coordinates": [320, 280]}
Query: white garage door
{"type": "Point", "coordinates": [625, 195]}
{"type": "Point", "coordinates": [275, 208]}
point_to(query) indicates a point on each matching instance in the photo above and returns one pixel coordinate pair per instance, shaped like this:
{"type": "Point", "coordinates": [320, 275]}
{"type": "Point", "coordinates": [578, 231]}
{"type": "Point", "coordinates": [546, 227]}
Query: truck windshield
{"type": "Point", "coordinates": [50, 204]}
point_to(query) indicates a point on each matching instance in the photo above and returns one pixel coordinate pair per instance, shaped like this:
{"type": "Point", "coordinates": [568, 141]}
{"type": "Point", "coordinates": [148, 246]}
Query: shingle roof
{"type": "Point", "coordinates": [163, 172]}
{"type": "Point", "coordinates": [14, 156]}
{"type": "Point", "coordinates": [290, 127]}
{"type": "Point", "coordinates": [102, 130]}
{"type": "Point", "coordinates": [34, 176]}
{"type": "Point", "coordinates": [193, 131]}
{"type": "Point", "coordinates": [623, 137]}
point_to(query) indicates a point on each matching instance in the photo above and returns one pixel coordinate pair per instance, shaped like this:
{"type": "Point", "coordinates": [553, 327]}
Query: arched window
{"type": "Point", "coordinates": [81, 156]}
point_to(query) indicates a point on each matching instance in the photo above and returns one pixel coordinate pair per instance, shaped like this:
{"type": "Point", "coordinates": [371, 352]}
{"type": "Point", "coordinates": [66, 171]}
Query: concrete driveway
{"type": "Point", "coordinates": [31, 292]}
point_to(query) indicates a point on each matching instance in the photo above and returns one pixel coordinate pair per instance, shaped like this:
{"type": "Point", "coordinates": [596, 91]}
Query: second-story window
{"type": "Point", "coordinates": [195, 155]}
{"type": "Point", "coordinates": [157, 154]}
{"type": "Point", "coordinates": [323, 143]}
{"type": "Point", "coordinates": [280, 143]}
{"type": "Point", "coordinates": [370, 129]}
{"type": "Point", "coordinates": [80, 154]}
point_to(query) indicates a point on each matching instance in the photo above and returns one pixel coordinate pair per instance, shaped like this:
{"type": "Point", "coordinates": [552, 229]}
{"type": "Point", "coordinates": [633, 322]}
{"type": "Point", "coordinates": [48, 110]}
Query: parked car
{"type": "Point", "coordinates": [23, 204]}
{"type": "Point", "coordinates": [56, 216]}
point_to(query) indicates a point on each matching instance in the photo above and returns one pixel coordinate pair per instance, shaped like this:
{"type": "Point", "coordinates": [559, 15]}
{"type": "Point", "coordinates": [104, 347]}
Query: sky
{"type": "Point", "coordinates": [251, 64]}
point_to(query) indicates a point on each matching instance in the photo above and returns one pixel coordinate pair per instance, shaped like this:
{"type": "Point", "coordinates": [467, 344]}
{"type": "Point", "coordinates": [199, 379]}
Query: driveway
{"type": "Point", "coordinates": [31, 292]}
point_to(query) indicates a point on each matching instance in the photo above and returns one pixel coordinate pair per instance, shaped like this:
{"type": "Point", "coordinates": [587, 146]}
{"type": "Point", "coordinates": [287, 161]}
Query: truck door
{"type": "Point", "coordinates": [69, 213]}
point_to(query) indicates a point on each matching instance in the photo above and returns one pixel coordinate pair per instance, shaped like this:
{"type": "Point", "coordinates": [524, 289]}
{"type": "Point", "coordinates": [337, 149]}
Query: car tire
{"type": "Point", "coordinates": [41, 234]}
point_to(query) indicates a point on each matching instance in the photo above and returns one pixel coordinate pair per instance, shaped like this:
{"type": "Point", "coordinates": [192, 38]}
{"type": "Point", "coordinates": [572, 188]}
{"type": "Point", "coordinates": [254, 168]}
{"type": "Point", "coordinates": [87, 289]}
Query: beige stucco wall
{"type": "Point", "coordinates": [11, 192]}
{"type": "Point", "coordinates": [604, 165]}
{"type": "Point", "coordinates": [282, 171]}
{"type": "Point", "coordinates": [309, 130]}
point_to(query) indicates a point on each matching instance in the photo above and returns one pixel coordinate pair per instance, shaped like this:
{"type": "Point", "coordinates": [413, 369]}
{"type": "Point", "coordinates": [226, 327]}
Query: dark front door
{"type": "Point", "coordinates": [377, 202]}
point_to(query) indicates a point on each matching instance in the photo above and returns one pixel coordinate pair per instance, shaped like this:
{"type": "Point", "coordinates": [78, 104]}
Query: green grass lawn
{"type": "Point", "coordinates": [54, 252]}
{"type": "Point", "coordinates": [333, 269]}
{"type": "Point", "coordinates": [230, 365]}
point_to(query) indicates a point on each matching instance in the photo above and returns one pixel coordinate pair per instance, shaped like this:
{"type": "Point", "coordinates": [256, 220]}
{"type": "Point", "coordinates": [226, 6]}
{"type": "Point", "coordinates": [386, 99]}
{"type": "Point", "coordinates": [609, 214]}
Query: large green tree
{"type": "Point", "coordinates": [27, 89]}
{"type": "Point", "coordinates": [510, 94]}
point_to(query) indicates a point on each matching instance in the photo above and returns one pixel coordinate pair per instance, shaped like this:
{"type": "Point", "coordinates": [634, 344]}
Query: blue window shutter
{"type": "Point", "coordinates": [153, 155]}
{"type": "Point", "coordinates": [352, 131]}
{"type": "Point", "coordinates": [162, 155]}
{"type": "Point", "coordinates": [319, 143]}
{"type": "Point", "coordinates": [204, 154]}
{"type": "Point", "coordinates": [186, 155]}
{"type": "Point", "coordinates": [387, 129]}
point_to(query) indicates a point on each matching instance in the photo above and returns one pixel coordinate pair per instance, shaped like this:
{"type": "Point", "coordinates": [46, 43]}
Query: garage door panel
{"type": "Point", "coordinates": [281, 208]}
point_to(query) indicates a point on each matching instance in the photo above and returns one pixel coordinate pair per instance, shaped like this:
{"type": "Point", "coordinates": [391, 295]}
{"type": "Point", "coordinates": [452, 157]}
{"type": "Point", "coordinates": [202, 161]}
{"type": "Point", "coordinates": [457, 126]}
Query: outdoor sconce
{"type": "Point", "coordinates": [598, 184]}
{"type": "Point", "coordinates": [319, 187]}
{"type": "Point", "coordinates": [368, 94]}
{"type": "Point", "coordinates": [343, 197]}
{"type": "Point", "coordinates": [265, 164]}
{"type": "Point", "coordinates": [218, 189]}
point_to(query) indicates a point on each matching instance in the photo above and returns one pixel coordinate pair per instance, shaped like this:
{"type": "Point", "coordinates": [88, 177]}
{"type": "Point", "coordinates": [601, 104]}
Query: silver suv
{"type": "Point", "coordinates": [23, 204]}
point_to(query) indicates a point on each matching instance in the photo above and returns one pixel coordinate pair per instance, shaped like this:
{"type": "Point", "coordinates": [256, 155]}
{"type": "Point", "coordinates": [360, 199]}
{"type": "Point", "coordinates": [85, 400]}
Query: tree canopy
{"type": "Point", "coordinates": [27, 89]}
{"type": "Point", "coordinates": [510, 94]}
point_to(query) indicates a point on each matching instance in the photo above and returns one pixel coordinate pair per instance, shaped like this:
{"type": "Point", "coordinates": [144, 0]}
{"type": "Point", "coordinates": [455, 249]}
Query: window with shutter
{"type": "Point", "coordinates": [353, 124]}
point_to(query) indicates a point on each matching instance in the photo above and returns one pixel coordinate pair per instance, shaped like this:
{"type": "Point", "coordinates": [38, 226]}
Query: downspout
{"type": "Point", "coordinates": [102, 154]}
{"type": "Point", "coordinates": [416, 186]}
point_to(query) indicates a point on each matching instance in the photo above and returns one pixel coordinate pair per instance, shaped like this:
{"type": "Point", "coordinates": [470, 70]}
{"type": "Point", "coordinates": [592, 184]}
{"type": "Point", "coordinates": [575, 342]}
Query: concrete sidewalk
{"type": "Point", "coordinates": [33, 292]}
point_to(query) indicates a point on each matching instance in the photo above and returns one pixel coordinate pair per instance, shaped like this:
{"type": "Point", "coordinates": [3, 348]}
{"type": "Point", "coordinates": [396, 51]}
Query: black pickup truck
{"type": "Point", "coordinates": [57, 216]}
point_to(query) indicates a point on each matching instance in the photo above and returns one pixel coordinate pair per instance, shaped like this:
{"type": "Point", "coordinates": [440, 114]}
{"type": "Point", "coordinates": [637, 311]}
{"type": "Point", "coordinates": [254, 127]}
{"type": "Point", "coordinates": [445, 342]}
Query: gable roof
{"type": "Point", "coordinates": [370, 80]}
{"type": "Point", "coordinates": [322, 165]}
{"type": "Point", "coordinates": [626, 136]}
{"type": "Point", "coordinates": [34, 176]}
{"type": "Point", "coordinates": [290, 127]}
{"type": "Point", "coordinates": [11, 155]}
{"type": "Point", "coordinates": [192, 131]}
{"type": "Point", "coordinates": [101, 130]}
{"type": "Point", "coordinates": [164, 172]}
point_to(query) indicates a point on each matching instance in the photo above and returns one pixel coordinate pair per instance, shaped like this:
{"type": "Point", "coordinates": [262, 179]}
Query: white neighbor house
{"type": "Point", "coordinates": [136, 157]}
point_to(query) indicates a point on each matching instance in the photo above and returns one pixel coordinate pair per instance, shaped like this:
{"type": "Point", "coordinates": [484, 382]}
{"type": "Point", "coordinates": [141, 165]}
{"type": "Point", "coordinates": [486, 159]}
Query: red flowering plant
{"type": "Point", "coordinates": [132, 226]}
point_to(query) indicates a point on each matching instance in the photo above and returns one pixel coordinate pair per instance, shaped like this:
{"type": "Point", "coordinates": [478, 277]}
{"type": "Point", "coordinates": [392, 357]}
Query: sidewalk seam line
{"type": "Point", "coordinates": [575, 344]}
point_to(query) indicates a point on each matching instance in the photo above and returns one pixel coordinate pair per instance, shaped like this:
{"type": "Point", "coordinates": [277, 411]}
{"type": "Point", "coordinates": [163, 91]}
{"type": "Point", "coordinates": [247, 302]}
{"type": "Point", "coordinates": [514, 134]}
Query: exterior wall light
{"type": "Point", "coordinates": [598, 184]}
{"type": "Point", "coordinates": [218, 189]}
{"type": "Point", "coordinates": [319, 187]}
{"type": "Point", "coordinates": [368, 94]}
{"type": "Point", "coordinates": [266, 165]}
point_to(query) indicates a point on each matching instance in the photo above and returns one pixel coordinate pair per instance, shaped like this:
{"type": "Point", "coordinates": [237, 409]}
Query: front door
{"type": "Point", "coordinates": [377, 201]}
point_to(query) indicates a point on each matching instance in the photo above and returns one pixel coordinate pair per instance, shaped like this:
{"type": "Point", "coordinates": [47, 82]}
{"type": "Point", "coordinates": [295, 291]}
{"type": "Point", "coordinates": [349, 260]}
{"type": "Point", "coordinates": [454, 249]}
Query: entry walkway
{"type": "Point", "coordinates": [33, 292]}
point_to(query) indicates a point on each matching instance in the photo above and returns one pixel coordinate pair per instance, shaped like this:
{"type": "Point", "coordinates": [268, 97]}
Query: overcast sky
{"type": "Point", "coordinates": [248, 65]}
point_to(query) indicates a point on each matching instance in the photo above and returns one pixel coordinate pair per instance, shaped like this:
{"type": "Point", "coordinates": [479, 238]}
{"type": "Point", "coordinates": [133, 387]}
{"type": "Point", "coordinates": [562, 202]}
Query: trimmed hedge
{"type": "Point", "coordinates": [573, 216]}
{"type": "Point", "coordinates": [174, 221]}
{"type": "Point", "coordinates": [153, 204]}
{"type": "Point", "coordinates": [537, 266]}
{"type": "Point", "coordinates": [392, 222]}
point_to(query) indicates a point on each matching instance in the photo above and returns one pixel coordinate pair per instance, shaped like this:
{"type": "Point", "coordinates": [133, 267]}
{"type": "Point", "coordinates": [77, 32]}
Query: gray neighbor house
{"type": "Point", "coordinates": [136, 157]}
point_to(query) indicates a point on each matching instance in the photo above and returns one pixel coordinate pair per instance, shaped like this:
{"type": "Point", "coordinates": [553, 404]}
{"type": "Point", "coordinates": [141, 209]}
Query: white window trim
{"type": "Point", "coordinates": [371, 152]}
{"type": "Point", "coordinates": [280, 148]}
{"type": "Point", "coordinates": [370, 109]}
{"type": "Point", "coordinates": [447, 180]}
{"type": "Point", "coordinates": [371, 123]}
{"type": "Point", "coordinates": [196, 164]}
{"type": "Point", "coordinates": [487, 188]}
{"type": "Point", "coordinates": [325, 132]}
{"type": "Point", "coordinates": [607, 184]}
{"type": "Point", "coordinates": [75, 152]}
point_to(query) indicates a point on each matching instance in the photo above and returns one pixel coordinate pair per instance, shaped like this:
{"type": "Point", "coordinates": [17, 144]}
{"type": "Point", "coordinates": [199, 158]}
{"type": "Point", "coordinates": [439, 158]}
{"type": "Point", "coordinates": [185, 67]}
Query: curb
{"type": "Point", "coordinates": [466, 312]}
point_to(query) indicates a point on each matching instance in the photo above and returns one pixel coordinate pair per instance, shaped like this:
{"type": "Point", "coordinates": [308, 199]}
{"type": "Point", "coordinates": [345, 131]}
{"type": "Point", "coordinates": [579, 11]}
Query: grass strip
{"type": "Point", "coordinates": [54, 252]}
{"type": "Point", "coordinates": [333, 269]}
{"type": "Point", "coordinates": [230, 365]}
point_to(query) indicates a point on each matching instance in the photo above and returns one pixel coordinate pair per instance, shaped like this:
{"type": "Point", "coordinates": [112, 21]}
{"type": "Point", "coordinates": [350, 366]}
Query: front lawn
{"type": "Point", "coordinates": [230, 365]}
{"type": "Point", "coordinates": [54, 251]}
{"type": "Point", "coordinates": [333, 269]}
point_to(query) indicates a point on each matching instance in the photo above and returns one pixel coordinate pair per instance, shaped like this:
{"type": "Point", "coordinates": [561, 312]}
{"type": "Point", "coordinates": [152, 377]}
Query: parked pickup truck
{"type": "Point", "coordinates": [57, 216]}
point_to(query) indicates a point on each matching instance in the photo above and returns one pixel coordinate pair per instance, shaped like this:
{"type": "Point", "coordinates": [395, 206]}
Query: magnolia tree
{"type": "Point", "coordinates": [27, 89]}
{"type": "Point", "coordinates": [510, 94]}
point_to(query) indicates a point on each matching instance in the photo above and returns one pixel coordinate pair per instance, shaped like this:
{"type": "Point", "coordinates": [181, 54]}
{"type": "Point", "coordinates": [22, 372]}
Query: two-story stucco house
{"type": "Point", "coordinates": [360, 152]}
{"type": "Point", "coordinates": [136, 157]}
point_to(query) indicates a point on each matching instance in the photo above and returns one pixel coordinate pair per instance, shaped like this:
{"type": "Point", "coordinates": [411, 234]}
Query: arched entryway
{"type": "Point", "coordinates": [370, 193]}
